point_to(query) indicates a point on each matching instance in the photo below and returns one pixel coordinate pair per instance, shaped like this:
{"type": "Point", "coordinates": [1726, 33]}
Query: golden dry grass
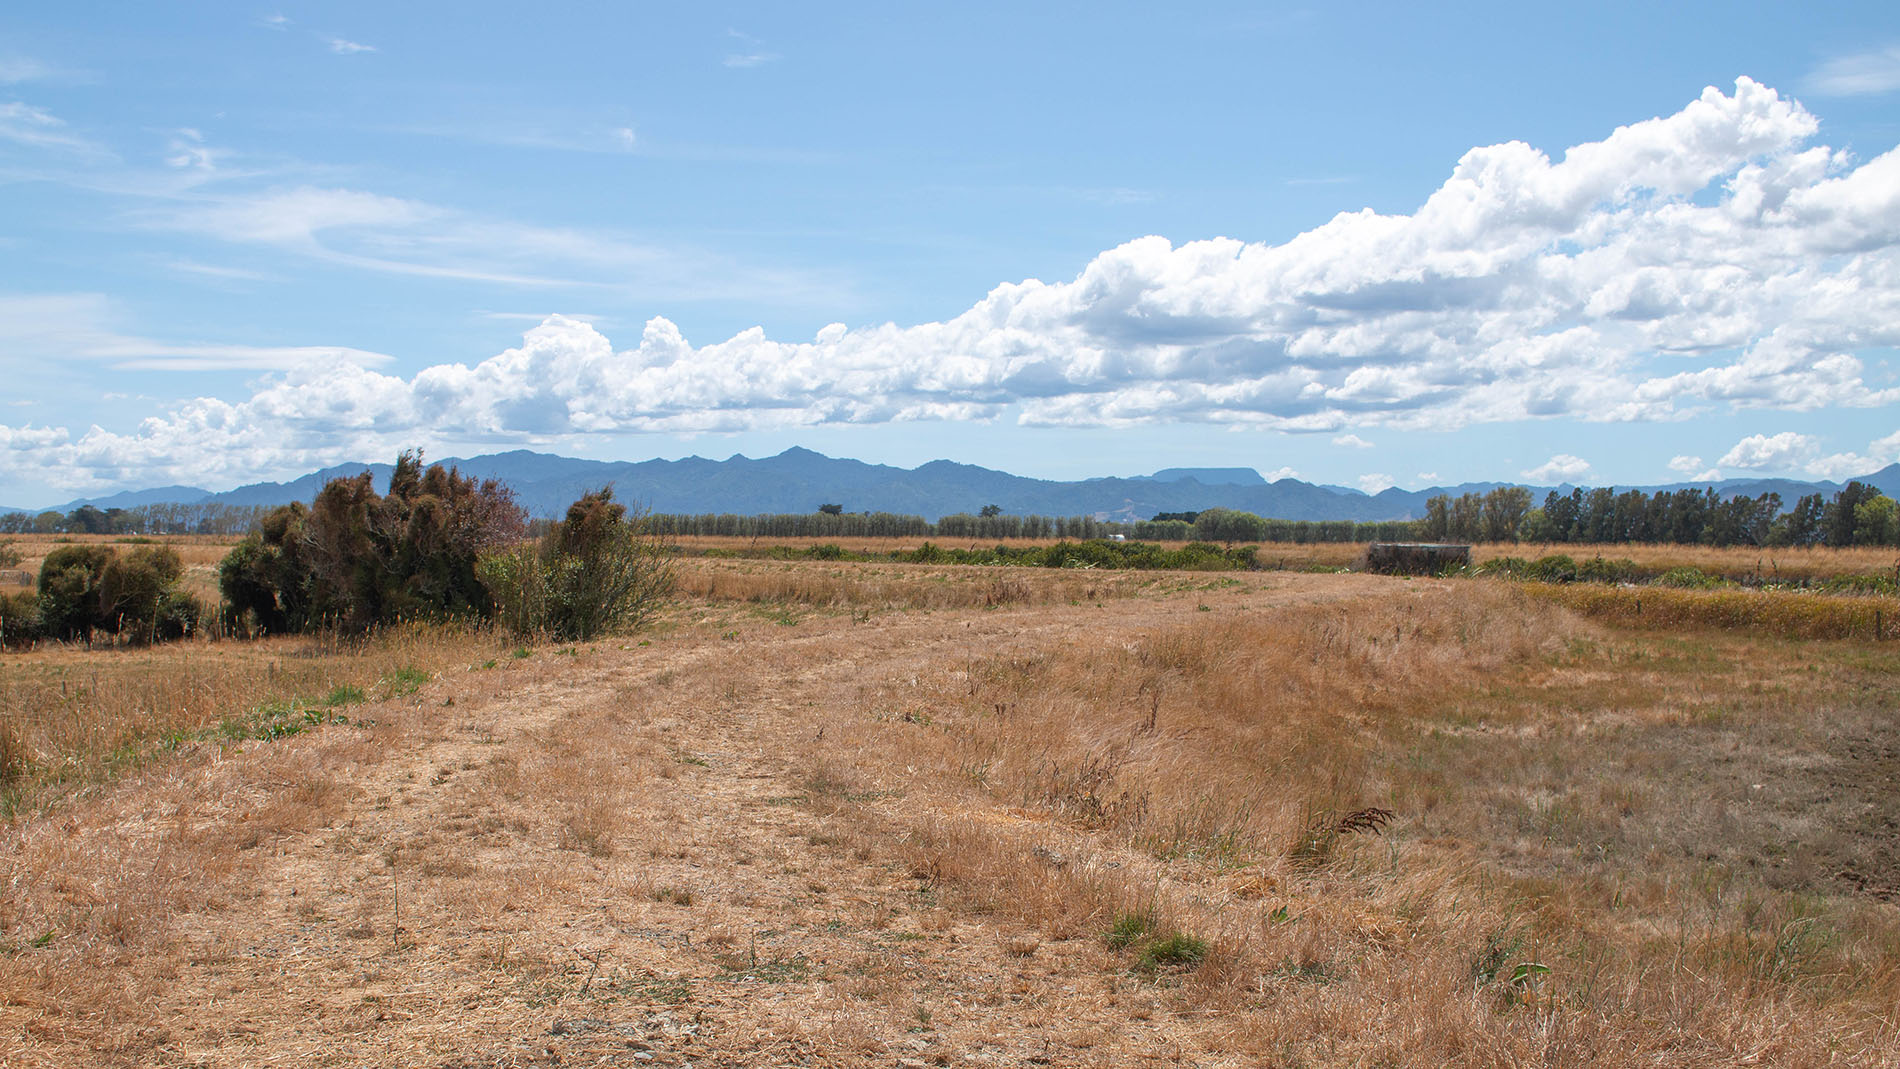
{"type": "Point", "coordinates": [75, 714]}
{"type": "Point", "coordinates": [1783, 564]}
{"type": "Point", "coordinates": [839, 817]}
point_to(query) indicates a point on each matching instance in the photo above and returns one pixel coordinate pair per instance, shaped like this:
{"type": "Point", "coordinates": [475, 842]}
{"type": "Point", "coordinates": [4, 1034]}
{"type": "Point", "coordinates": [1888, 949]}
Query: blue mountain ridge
{"type": "Point", "coordinates": [799, 480]}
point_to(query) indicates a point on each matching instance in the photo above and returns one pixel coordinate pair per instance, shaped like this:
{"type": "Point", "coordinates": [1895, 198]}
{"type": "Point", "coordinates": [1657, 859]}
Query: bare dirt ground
{"type": "Point", "coordinates": [609, 855]}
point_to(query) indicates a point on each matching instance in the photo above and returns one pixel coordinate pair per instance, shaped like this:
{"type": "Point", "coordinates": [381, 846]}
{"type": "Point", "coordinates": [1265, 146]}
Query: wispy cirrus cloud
{"type": "Point", "coordinates": [395, 235]}
{"type": "Point", "coordinates": [1860, 74]}
{"type": "Point", "coordinates": [17, 69]}
{"type": "Point", "coordinates": [82, 327]}
{"type": "Point", "coordinates": [752, 52]}
{"type": "Point", "coordinates": [36, 128]}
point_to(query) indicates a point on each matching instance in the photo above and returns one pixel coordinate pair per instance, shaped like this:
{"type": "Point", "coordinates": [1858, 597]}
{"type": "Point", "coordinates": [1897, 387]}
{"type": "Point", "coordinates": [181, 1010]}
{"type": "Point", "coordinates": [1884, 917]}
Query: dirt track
{"type": "Point", "coordinates": [609, 857]}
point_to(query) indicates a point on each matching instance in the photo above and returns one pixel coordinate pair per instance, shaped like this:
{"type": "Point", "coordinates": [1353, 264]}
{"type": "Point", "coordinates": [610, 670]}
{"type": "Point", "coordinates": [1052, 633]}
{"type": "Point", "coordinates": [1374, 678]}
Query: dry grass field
{"type": "Point", "coordinates": [1783, 564]}
{"type": "Point", "coordinates": [878, 814]}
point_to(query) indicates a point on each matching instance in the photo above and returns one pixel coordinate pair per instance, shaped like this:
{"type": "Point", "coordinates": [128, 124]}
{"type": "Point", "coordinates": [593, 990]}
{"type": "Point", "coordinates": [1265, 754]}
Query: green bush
{"type": "Point", "coordinates": [1556, 568]}
{"type": "Point", "coordinates": [1599, 570]}
{"type": "Point", "coordinates": [596, 571]}
{"type": "Point", "coordinates": [1869, 583]}
{"type": "Point", "coordinates": [69, 591]}
{"type": "Point", "coordinates": [88, 589]}
{"type": "Point", "coordinates": [1505, 567]}
{"type": "Point", "coordinates": [1688, 578]}
{"type": "Point", "coordinates": [19, 619]}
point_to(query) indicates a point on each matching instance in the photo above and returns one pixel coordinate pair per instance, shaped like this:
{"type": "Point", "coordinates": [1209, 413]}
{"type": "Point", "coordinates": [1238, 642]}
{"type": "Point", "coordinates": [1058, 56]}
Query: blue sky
{"type": "Point", "coordinates": [1360, 244]}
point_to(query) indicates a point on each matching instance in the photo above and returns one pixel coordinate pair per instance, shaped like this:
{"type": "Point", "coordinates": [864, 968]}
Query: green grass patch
{"type": "Point", "coordinates": [1177, 950]}
{"type": "Point", "coordinates": [404, 680]}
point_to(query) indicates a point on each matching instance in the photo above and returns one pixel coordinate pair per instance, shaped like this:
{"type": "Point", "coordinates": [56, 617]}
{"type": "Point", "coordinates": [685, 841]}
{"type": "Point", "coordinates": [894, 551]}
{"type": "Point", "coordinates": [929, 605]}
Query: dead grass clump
{"type": "Point", "coordinates": [14, 758]}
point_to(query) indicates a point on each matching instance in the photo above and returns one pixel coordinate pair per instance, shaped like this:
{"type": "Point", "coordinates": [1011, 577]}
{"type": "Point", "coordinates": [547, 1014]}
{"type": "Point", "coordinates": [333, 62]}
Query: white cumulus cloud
{"type": "Point", "coordinates": [1374, 482]}
{"type": "Point", "coordinates": [1560, 468]}
{"type": "Point", "coordinates": [1880, 453]}
{"type": "Point", "coordinates": [1762, 452]}
{"type": "Point", "coordinates": [1709, 259]}
{"type": "Point", "coordinates": [1352, 441]}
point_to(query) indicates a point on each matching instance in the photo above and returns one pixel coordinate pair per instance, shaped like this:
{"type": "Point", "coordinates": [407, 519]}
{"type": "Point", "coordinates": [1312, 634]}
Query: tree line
{"type": "Point", "coordinates": [991, 524]}
{"type": "Point", "coordinates": [1858, 515]}
{"type": "Point", "coordinates": [156, 519]}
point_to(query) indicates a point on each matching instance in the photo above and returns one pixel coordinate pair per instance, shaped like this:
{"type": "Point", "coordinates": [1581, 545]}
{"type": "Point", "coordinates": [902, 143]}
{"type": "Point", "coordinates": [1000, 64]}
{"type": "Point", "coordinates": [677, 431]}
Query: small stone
{"type": "Point", "coordinates": [576, 1026]}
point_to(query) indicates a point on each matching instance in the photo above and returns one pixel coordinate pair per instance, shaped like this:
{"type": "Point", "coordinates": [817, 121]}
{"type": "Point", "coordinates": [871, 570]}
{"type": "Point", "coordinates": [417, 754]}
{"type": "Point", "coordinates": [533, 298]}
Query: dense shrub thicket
{"type": "Point", "coordinates": [355, 558]}
{"type": "Point", "coordinates": [596, 571]}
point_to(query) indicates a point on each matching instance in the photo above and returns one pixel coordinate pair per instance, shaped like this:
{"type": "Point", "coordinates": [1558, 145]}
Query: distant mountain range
{"type": "Point", "coordinates": [799, 480]}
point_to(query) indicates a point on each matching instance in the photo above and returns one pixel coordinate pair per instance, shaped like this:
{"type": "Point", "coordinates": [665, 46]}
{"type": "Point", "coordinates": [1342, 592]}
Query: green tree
{"type": "Point", "coordinates": [1504, 509]}
{"type": "Point", "coordinates": [1840, 520]}
{"type": "Point", "coordinates": [1875, 522]}
{"type": "Point", "coordinates": [1220, 525]}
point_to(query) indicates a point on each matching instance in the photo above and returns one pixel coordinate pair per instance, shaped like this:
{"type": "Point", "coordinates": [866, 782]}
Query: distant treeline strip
{"type": "Point", "coordinates": [1859, 515]}
{"type": "Point", "coordinates": [160, 519]}
{"type": "Point", "coordinates": [1213, 525]}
